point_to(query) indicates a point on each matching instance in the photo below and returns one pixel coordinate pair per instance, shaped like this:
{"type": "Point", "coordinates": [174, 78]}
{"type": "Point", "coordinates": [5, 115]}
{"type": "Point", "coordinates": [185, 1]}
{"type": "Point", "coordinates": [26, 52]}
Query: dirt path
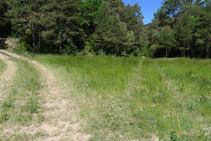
{"type": "Point", "coordinates": [60, 122]}
{"type": "Point", "coordinates": [7, 76]}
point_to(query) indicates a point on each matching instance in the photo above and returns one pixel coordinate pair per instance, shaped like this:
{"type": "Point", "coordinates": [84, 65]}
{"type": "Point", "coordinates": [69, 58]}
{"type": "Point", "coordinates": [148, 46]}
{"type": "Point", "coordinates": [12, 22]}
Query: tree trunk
{"type": "Point", "coordinates": [39, 40]}
{"type": "Point", "coordinates": [188, 51]}
{"type": "Point", "coordinates": [102, 50]}
{"type": "Point", "coordinates": [33, 37]}
{"type": "Point", "coordinates": [166, 52]}
{"type": "Point", "coordinates": [207, 52]}
{"type": "Point", "coordinates": [60, 49]}
{"type": "Point", "coordinates": [184, 53]}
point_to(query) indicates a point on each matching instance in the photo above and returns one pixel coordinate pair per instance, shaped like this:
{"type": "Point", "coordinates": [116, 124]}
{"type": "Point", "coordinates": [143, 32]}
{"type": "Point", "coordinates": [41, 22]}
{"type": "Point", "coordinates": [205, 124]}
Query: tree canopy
{"type": "Point", "coordinates": [180, 28]}
{"type": "Point", "coordinates": [189, 24]}
{"type": "Point", "coordinates": [75, 26]}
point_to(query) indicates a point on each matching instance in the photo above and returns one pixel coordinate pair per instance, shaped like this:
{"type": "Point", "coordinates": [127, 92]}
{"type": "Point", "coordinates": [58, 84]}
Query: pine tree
{"type": "Point", "coordinates": [62, 26]}
{"type": "Point", "coordinates": [203, 32]}
{"type": "Point", "coordinates": [133, 19]}
{"type": "Point", "coordinates": [91, 14]}
{"type": "Point", "coordinates": [116, 7]}
{"type": "Point", "coordinates": [114, 36]}
{"type": "Point", "coordinates": [4, 21]}
{"type": "Point", "coordinates": [184, 30]}
{"type": "Point", "coordinates": [164, 39]}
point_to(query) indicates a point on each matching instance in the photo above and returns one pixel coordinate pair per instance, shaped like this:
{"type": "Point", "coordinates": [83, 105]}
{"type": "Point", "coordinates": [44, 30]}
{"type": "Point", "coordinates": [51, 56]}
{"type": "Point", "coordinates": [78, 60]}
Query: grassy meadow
{"type": "Point", "coordinates": [133, 98]}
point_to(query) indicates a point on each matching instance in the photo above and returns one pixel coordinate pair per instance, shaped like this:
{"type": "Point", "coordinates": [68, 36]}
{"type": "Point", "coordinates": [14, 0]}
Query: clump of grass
{"type": "Point", "coordinates": [22, 136]}
{"type": "Point", "coordinates": [129, 98]}
{"type": "Point", "coordinates": [2, 66]}
{"type": "Point", "coordinates": [3, 117]}
{"type": "Point", "coordinates": [22, 100]}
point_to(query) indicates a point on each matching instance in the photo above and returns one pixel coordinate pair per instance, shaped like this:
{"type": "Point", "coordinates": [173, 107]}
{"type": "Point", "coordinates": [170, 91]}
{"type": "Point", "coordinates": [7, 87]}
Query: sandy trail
{"type": "Point", "coordinates": [7, 76]}
{"type": "Point", "coordinates": [60, 122]}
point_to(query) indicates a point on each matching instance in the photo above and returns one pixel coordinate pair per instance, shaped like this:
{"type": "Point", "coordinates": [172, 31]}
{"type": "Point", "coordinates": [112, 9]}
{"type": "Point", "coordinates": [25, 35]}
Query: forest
{"type": "Point", "coordinates": [180, 28]}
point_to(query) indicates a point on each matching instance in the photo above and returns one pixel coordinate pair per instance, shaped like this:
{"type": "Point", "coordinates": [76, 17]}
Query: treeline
{"type": "Point", "coordinates": [181, 28]}
{"type": "Point", "coordinates": [75, 26]}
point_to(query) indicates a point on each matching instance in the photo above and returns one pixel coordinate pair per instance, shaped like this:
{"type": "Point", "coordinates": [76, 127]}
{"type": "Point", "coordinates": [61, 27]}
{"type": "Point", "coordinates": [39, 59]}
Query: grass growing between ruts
{"type": "Point", "coordinates": [22, 99]}
{"type": "Point", "coordinates": [168, 102]}
{"type": "Point", "coordinates": [2, 66]}
{"type": "Point", "coordinates": [130, 98]}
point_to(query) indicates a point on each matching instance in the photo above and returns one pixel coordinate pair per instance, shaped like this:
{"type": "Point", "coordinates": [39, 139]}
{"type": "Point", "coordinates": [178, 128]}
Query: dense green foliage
{"type": "Point", "coordinates": [181, 28]}
{"type": "Point", "coordinates": [76, 26]}
{"type": "Point", "coordinates": [131, 98]}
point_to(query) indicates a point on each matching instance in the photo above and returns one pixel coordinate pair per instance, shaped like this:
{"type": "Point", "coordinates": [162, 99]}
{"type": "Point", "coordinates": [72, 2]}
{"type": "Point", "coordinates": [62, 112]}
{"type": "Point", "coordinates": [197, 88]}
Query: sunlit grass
{"type": "Point", "coordinates": [170, 99]}
{"type": "Point", "coordinates": [2, 66]}
{"type": "Point", "coordinates": [131, 98]}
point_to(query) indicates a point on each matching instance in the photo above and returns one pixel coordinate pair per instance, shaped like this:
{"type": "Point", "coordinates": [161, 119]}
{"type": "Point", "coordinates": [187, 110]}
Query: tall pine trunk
{"type": "Point", "coordinates": [39, 40]}
{"type": "Point", "coordinates": [188, 49]}
{"type": "Point", "coordinates": [102, 50]}
{"type": "Point", "coordinates": [60, 49]}
{"type": "Point", "coordinates": [184, 52]}
{"type": "Point", "coordinates": [33, 37]}
{"type": "Point", "coordinates": [208, 52]}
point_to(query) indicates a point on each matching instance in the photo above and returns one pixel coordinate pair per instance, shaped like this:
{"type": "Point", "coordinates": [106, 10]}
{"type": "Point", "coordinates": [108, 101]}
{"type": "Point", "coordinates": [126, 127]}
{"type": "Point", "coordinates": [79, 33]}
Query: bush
{"type": "Point", "coordinates": [22, 47]}
{"type": "Point", "coordinates": [70, 50]}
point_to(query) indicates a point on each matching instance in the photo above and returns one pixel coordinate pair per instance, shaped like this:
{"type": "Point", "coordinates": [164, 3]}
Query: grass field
{"type": "Point", "coordinates": [133, 98]}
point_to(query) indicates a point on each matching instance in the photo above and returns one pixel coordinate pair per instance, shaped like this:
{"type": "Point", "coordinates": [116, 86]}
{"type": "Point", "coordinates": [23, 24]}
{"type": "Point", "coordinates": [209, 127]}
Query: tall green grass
{"type": "Point", "coordinates": [131, 98]}
{"type": "Point", "coordinates": [173, 103]}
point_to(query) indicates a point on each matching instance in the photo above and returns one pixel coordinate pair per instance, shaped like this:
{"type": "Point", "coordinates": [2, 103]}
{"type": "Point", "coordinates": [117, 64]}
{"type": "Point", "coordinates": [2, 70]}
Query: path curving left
{"type": "Point", "coordinates": [60, 120]}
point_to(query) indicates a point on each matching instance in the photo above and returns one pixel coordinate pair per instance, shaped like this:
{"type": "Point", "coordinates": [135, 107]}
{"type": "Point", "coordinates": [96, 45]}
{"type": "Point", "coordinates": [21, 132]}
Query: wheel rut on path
{"type": "Point", "coordinates": [60, 121]}
{"type": "Point", "coordinates": [7, 76]}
